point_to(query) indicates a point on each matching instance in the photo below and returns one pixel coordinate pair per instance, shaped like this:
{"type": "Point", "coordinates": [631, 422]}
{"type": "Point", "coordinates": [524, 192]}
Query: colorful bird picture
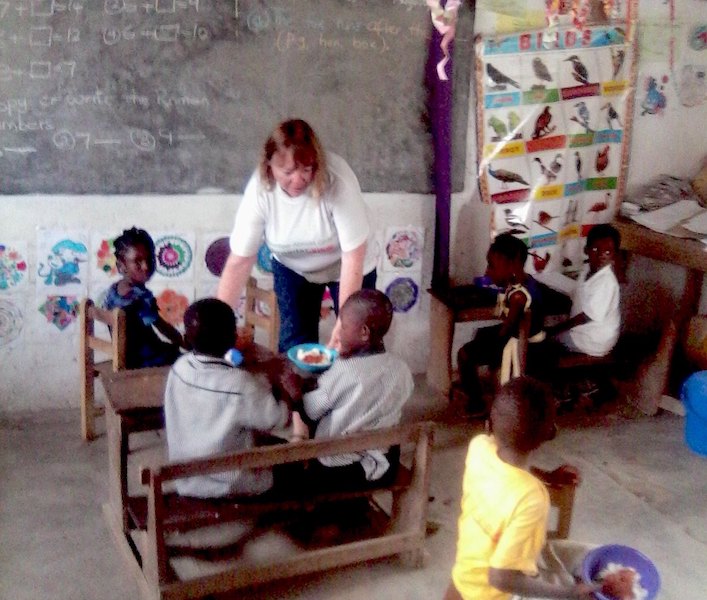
{"type": "Point", "coordinates": [545, 171]}
{"type": "Point", "coordinates": [544, 219]}
{"type": "Point", "coordinates": [612, 115]}
{"type": "Point", "coordinates": [500, 80]}
{"type": "Point", "coordinates": [582, 116]}
{"type": "Point", "coordinates": [579, 71]}
{"type": "Point", "coordinates": [499, 128]}
{"type": "Point", "coordinates": [541, 72]}
{"type": "Point", "coordinates": [578, 165]}
{"type": "Point", "coordinates": [542, 124]}
{"type": "Point", "coordinates": [540, 262]}
{"type": "Point", "coordinates": [506, 177]}
{"type": "Point", "coordinates": [602, 159]}
{"type": "Point", "coordinates": [617, 61]}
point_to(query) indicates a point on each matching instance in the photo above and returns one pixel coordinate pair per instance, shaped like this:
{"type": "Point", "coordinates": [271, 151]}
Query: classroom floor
{"type": "Point", "coordinates": [641, 487]}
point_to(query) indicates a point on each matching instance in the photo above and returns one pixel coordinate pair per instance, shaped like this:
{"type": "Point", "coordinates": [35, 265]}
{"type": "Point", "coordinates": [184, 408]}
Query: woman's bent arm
{"type": "Point", "coordinates": [234, 277]}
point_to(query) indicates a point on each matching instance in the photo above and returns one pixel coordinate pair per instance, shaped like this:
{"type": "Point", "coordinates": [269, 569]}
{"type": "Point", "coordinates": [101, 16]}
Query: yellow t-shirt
{"type": "Point", "coordinates": [502, 524]}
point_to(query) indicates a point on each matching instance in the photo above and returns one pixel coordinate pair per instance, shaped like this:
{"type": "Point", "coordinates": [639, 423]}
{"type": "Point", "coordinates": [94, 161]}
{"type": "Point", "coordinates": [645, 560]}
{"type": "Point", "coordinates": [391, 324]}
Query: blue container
{"type": "Point", "coordinates": [596, 560]}
{"type": "Point", "coordinates": [694, 396]}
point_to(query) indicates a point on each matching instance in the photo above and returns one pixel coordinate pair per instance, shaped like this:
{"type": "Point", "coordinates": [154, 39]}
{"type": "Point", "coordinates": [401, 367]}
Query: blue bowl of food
{"type": "Point", "coordinates": [633, 575]}
{"type": "Point", "coordinates": [314, 358]}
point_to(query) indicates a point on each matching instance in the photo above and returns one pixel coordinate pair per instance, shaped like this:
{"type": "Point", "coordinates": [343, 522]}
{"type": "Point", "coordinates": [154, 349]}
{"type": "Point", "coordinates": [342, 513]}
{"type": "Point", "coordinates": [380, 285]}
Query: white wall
{"type": "Point", "coordinates": [39, 369]}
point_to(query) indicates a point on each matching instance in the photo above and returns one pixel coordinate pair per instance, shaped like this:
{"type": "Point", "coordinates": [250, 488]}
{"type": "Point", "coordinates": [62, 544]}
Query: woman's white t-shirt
{"type": "Point", "coordinates": [306, 234]}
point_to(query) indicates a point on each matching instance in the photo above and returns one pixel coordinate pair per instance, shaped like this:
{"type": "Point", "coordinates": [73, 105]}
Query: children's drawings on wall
{"type": "Point", "coordinates": [11, 321]}
{"type": "Point", "coordinates": [13, 266]}
{"type": "Point", "coordinates": [172, 302]}
{"type": "Point", "coordinates": [553, 125]}
{"type": "Point", "coordinates": [60, 311]}
{"type": "Point", "coordinates": [103, 267]}
{"type": "Point", "coordinates": [174, 256]}
{"type": "Point", "coordinates": [692, 85]}
{"type": "Point", "coordinates": [653, 99]}
{"type": "Point", "coordinates": [403, 293]}
{"type": "Point", "coordinates": [216, 254]}
{"type": "Point", "coordinates": [62, 261]}
{"type": "Point", "coordinates": [403, 249]}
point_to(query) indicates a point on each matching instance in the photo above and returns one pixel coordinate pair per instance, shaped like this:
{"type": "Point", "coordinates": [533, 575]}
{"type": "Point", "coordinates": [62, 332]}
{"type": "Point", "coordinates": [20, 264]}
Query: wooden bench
{"type": "Point", "coordinates": [148, 554]}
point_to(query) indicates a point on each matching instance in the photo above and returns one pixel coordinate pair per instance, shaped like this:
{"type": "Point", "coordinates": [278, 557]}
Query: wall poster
{"type": "Point", "coordinates": [553, 122]}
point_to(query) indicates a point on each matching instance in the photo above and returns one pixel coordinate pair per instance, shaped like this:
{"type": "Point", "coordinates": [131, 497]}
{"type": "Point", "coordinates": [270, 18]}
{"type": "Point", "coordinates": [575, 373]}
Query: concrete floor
{"type": "Point", "coordinates": [641, 487]}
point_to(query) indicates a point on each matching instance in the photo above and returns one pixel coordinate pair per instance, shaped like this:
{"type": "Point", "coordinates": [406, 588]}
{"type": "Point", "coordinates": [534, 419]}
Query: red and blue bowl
{"type": "Point", "coordinates": [599, 558]}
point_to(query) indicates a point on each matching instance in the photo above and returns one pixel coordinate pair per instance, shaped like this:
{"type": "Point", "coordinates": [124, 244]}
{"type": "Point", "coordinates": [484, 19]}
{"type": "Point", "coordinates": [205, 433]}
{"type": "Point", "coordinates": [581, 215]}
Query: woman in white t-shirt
{"type": "Point", "coordinates": [307, 206]}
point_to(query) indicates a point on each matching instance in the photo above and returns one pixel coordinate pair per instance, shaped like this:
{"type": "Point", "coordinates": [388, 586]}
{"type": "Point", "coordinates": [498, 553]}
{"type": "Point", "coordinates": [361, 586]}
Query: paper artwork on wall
{"type": "Point", "coordinates": [553, 126]}
{"type": "Point", "coordinates": [172, 302]}
{"type": "Point", "coordinates": [652, 95]}
{"type": "Point", "coordinates": [14, 271]}
{"type": "Point", "coordinates": [216, 250]}
{"type": "Point", "coordinates": [174, 256]}
{"type": "Point", "coordinates": [403, 249]}
{"type": "Point", "coordinates": [403, 291]}
{"type": "Point", "coordinates": [102, 263]}
{"type": "Point", "coordinates": [11, 321]}
{"type": "Point", "coordinates": [60, 311]}
{"type": "Point", "coordinates": [62, 262]}
{"type": "Point", "coordinates": [692, 85]}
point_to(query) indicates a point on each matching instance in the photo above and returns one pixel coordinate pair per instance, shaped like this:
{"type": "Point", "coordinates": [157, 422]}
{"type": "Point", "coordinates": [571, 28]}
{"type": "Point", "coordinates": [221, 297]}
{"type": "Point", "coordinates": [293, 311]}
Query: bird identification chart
{"type": "Point", "coordinates": [553, 120]}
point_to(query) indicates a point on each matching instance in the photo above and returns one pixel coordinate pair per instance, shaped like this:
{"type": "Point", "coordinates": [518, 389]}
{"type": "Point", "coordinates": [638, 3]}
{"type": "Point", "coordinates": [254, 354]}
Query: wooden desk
{"type": "Point", "coordinates": [686, 253]}
{"type": "Point", "coordinates": [448, 307]}
{"type": "Point", "coordinates": [462, 304]}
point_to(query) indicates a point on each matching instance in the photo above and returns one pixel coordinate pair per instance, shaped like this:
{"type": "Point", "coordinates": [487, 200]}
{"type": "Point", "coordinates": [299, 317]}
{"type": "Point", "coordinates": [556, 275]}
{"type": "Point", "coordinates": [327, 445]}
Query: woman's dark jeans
{"type": "Point", "coordinates": [300, 301]}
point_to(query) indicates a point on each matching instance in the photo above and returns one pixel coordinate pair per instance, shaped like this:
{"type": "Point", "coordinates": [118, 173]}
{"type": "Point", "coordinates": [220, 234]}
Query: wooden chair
{"type": "Point", "coordinates": [261, 311]}
{"type": "Point", "coordinates": [115, 348]}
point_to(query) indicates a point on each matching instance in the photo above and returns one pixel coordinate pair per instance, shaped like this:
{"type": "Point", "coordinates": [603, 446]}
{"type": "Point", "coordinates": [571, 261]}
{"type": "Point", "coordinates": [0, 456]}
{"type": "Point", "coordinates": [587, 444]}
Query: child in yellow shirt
{"type": "Point", "coordinates": [505, 506]}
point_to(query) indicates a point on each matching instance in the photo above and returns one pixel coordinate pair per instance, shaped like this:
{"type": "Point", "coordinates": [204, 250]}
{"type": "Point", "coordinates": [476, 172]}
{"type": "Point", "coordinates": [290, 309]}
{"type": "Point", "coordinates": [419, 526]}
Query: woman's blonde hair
{"type": "Point", "coordinates": [298, 136]}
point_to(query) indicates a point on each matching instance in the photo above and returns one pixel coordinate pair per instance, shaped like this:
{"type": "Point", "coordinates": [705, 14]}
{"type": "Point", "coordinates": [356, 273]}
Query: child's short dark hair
{"type": "Point", "coordinates": [134, 237]}
{"type": "Point", "coordinates": [210, 327]}
{"type": "Point", "coordinates": [510, 247]}
{"type": "Point", "coordinates": [523, 414]}
{"type": "Point", "coordinates": [604, 231]}
{"type": "Point", "coordinates": [374, 309]}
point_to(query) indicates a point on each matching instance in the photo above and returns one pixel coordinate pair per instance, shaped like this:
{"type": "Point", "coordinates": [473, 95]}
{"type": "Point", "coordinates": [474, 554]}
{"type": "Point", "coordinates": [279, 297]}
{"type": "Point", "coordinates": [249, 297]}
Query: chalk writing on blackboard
{"type": "Point", "coordinates": [175, 96]}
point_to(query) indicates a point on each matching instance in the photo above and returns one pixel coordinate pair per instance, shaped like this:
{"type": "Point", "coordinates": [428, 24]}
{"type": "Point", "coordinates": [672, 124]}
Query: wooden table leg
{"type": "Point", "coordinates": [439, 365]}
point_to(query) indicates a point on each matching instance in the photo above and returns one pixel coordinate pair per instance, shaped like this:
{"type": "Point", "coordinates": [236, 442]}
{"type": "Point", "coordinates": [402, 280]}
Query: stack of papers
{"type": "Point", "coordinates": [685, 219]}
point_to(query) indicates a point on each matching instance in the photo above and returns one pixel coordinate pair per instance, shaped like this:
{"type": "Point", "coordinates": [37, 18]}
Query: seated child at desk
{"type": "Point", "coordinates": [505, 507]}
{"type": "Point", "coordinates": [506, 262]}
{"type": "Point", "coordinates": [212, 407]}
{"type": "Point", "coordinates": [365, 389]}
{"type": "Point", "coordinates": [135, 258]}
{"type": "Point", "coordinates": [595, 318]}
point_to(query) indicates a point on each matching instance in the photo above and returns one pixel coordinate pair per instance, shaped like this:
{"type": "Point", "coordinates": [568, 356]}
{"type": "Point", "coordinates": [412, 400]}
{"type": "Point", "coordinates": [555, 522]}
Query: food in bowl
{"type": "Point", "coordinates": [621, 582]}
{"type": "Point", "coordinates": [314, 356]}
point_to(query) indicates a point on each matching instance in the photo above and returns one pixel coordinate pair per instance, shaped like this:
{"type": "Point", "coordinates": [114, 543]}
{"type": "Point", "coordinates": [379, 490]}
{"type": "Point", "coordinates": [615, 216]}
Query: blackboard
{"type": "Point", "coordinates": [177, 96]}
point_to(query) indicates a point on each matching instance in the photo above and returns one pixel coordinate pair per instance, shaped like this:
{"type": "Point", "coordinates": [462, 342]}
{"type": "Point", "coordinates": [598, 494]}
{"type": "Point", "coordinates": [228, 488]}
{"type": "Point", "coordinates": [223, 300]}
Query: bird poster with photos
{"type": "Point", "coordinates": [553, 120]}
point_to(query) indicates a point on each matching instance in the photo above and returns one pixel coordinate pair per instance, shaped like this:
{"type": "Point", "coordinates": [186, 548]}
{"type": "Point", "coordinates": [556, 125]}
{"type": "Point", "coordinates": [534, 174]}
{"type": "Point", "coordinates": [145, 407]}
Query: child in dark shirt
{"type": "Point", "coordinates": [135, 257]}
{"type": "Point", "coordinates": [506, 261]}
